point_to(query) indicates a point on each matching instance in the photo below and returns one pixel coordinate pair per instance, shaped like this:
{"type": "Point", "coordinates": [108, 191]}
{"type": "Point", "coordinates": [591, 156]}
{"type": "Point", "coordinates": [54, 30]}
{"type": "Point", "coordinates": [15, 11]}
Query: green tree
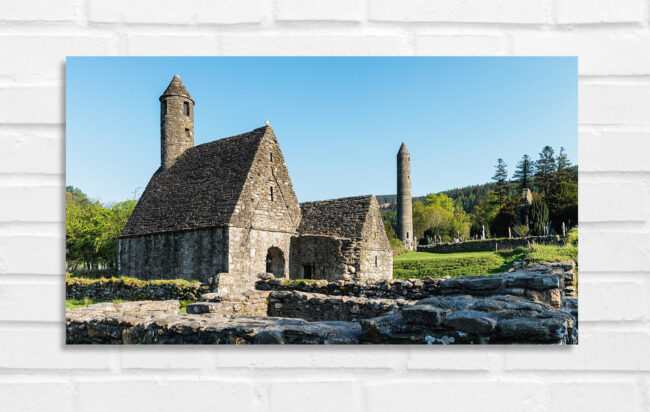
{"type": "Point", "coordinates": [524, 173]}
{"type": "Point", "coordinates": [440, 200]}
{"type": "Point", "coordinates": [390, 232]}
{"type": "Point", "coordinates": [563, 164]}
{"type": "Point", "coordinates": [501, 177]}
{"type": "Point", "coordinates": [563, 205]}
{"type": "Point", "coordinates": [545, 169]}
{"type": "Point", "coordinates": [505, 218]}
{"type": "Point", "coordinates": [538, 213]}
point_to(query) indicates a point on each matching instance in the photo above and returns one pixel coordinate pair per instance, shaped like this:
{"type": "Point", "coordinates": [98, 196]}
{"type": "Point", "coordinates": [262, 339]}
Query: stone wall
{"type": "Point", "coordinates": [192, 255]}
{"type": "Point", "coordinates": [542, 282]}
{"type": "Point", "coordinates": [110, 289]}
{"type": "Point", "coordinates": [317, 307]}
{"type": "Point", "coordinates": [330, 258]}
{"type": "Point", "coordinates": [490, 244]}
{"type": "Point", "coordinates": [376, 260]}
{"type": "Point", "coordinates": [249, 249]}
{"type": "Point", "coordinates": [435, 320]}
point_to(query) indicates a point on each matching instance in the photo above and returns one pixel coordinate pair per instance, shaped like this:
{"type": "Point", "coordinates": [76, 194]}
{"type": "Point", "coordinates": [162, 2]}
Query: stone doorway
{"type": "Point", "coordinates": [275, 262]}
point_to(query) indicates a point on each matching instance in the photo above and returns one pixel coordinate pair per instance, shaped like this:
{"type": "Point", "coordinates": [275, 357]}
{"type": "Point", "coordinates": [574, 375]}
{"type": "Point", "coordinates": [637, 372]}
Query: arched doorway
{"type": "Point", "coordinates": [275, 262]}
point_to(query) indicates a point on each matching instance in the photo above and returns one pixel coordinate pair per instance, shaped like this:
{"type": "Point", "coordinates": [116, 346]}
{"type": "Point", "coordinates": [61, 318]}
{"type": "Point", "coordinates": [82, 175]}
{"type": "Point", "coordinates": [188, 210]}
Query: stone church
{"type": "Point", "coordinates": [229, 206]}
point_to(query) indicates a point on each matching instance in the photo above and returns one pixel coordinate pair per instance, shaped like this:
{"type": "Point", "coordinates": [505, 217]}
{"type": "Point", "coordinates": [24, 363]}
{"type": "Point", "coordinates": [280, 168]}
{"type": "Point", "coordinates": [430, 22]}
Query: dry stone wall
{"type": "Point", "coordinates": [487, 245]}
{"type": "Point", "coordinates": [111, 289]}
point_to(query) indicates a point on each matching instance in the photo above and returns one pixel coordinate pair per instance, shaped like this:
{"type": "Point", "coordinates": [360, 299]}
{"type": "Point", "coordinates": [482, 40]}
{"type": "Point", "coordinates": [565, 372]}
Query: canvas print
{"type": "Point", "coordinates": [321, 200]}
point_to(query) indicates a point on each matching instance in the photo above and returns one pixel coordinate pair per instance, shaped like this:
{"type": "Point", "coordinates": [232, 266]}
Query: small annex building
{"type": "Point", "coordinates": [229, 206]}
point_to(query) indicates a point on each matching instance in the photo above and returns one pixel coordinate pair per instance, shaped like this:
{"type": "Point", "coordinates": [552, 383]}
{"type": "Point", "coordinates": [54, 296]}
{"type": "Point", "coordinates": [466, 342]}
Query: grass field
{"type": "Point", "coordinates": [423, 264]}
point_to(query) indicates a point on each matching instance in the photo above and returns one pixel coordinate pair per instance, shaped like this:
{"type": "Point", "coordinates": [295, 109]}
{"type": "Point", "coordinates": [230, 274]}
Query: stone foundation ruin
{"type": "Point", "coordinates": [527, 305]}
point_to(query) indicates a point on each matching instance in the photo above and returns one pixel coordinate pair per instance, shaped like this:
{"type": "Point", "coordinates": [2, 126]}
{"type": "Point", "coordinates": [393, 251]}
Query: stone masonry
{"type": "Point", "coordinates": [228, 206]}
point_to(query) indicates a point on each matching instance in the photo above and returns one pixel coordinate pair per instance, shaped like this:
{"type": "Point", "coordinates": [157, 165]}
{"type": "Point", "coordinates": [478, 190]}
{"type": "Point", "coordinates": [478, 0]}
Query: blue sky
{"type": "Point", "coordinates": [339, 121]}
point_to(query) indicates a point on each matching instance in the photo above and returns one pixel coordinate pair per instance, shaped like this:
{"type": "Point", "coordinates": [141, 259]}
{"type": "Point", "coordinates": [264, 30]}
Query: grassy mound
{"type": "Point", "coordinates": [423, 264]}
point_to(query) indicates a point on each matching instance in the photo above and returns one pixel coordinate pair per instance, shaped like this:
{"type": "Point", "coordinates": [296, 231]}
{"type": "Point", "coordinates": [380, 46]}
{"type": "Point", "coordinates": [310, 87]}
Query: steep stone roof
{"type": "Point", "coordinates": [200, 190]}
{"type": "Point", "coordinates": [176, 88]}
{"type": "Point", "coordinates": [403, 149]}
{"type": "Point", "coordinates": [343, 217]}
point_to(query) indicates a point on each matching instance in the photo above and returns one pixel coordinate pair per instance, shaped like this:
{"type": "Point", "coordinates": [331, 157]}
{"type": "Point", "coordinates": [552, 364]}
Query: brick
{"type": "Point", "coordinates": [32, 204]}
{"type": "Point", "coordinates": [600, 53]}
{"type": "Point", "coordinates": [612, 200]}
{"type": "Point", "coordinates": [37, 10]}
{"type": "Point", "coordinates": [35, 395]}
{"type": "Point", "coordinates": [43, 57]}
{"type": "Point", "coordinates": [614, 104]}
{"type": "Point", "coordinates": [318, 395]}
{"type": "Point", "coordinates": [32, 302]}
{"type": "Point", "coordinates": [455, 395]}
{"type": "Point", "coordinates": [32, 105]}
{"type": "Point", "coordinates": [47, 350]}
{"type": "Point", "coordinates": [612, 299]}
{"type": "Point", "coordinates": [28, 151]}
{"type": "Point", "coordinates": [17, 255]}
{"type": "Point", "coordinates": [462, 357]}
{"type": "Point", "coordinates": [460, 44]}
{"type": "Point", "coordinates": [598, 350]}
{"type": "Point", "coordinates": [471, 11]}
{"type": "Point", "coordinates": [339, 10]}
{"type": "Point", "coordinates": [314, 45]}
{"type": "Point", "coordinates": [601, 396]}
{"type": "Point", "coordinates": [606, 151]}
{"type": "Point", "coordinates": [372, 357]}
{"type": "Point", "coordinates": [625, 251]}
{"type": "Point", "coordinates": [180, 45]}
{"type": "Point", "coordinates": [190, 357]}
{"type": "Point", "coordinates": [173, 12]}
{"type": "Point", "coordinates": [194, 393]}
{"type": "Point", "coordinates": [599, 11]}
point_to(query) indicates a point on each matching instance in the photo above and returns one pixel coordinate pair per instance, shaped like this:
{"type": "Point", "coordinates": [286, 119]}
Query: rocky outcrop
{"type": "Point", "coordinates": [473, 320]}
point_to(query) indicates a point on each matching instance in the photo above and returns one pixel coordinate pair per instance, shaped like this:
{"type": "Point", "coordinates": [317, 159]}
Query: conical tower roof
{"type": "Point", "coordinates": [403, 149]}
{"type": "Point", "coordinates": [176, 88]}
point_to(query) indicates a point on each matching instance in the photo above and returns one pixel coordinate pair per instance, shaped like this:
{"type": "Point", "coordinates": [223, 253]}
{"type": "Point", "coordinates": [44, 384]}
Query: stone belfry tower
{"type": "Point", "coordinates": [404, 201]}
{"type": "Point", "coordinates": [176, 122]}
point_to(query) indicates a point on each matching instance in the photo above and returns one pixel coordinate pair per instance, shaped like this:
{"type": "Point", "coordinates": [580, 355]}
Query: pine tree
{"type": "Point", "coordinates": [500, 177]}
{"type": "Point", "coordinates": [524, 173]}
{"type": "Point", "coordinates": [563, 164]}
{"type": "Point", "coordinates": [538, 212]}
{"type": "Point", "coordinates": [545, 169]}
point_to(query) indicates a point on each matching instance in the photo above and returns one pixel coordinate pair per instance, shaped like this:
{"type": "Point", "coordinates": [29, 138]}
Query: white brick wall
{"type": "Point", "coordinates": [610, 368]}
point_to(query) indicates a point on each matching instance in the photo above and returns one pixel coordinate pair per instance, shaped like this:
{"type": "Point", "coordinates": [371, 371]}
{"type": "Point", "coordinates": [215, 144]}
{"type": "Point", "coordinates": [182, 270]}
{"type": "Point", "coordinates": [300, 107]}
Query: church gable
{"type": "Point", "coordinates": [374, 233]}
{"type": "Point", "coordinates": [267, 200]}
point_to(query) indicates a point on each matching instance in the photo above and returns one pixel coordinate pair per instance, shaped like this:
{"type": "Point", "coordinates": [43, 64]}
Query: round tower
{"type": "Point", "coordinates": [404, 201]}
{"type": "Point", "coordinates": [176, 122]}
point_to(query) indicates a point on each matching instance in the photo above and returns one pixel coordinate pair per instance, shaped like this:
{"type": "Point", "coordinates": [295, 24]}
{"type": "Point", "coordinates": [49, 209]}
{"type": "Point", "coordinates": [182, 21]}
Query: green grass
{"type": "Point", "coordinates": [552, 253]}
{"type": "Point", "coordinates": [71, 279]}
{"type": "Point", "coordinates": [82, 303]}
{"type": "Point", "coordinates": [437, 265]}
{"type": "Point", "coordinates": [293, 282]}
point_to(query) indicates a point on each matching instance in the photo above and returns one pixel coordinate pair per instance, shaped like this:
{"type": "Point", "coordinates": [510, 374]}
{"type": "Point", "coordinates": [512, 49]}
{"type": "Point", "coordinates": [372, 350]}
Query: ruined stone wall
{"type": "Point", "coordinates": [490, 244]}
{"type": "Point", "coordinates": [331, 258]}
{"type": "Point", "coordinates": [111, 289]}
{"type": "Point", "coordinates": [193, 255]}
{"type": "Point", "coordinates": [545, 283]}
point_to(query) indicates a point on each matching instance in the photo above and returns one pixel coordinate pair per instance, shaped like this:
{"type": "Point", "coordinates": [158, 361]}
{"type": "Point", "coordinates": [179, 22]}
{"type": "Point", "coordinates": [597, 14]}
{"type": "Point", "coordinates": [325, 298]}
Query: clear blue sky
{"type": "Point", "coordinates": [339, 121]}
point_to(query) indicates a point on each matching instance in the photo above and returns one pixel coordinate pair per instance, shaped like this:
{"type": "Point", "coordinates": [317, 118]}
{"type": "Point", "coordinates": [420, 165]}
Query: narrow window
{"type": "Point", "coordinates": [186, 108]}
{"type": "Point", "coordinates": [271, 156]}
{"type": "Point", "coordinates": [407, 235]}
{"type": "Point", "coordinates": [187, 132]}
{"type": "Point", "coordinates": [376, 262]}
{"type": "Point", "coordinates": [271, 192]}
